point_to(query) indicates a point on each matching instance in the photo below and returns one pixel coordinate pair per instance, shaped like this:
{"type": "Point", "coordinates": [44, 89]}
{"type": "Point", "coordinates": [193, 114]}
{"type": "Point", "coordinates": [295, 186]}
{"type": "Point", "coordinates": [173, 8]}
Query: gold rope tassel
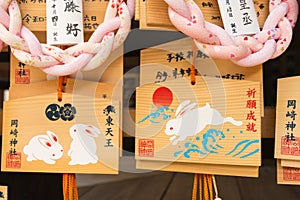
{"type": "Point", "coordinates": [207, 186]}
{"type": "Point", "coordinates": [69, 187]}
{"type": "Point", "coordinates": [194, 194]}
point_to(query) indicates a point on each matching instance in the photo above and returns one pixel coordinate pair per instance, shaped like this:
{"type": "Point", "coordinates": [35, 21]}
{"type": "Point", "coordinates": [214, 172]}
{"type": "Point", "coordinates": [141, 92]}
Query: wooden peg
{"type": "Point", "coordinates": [62, 82]}
{"type": "Point", "coordinates": [193, 71]}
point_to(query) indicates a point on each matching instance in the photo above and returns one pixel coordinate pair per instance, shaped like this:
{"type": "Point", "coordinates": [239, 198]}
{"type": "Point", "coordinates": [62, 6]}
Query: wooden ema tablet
{"type": "Point", "coordinates": [170, 128]}
{"type": "Point", "coordinates": [34, 14]}
{"type": "Point", "coordinates": [173, 60]}
{"type": "Point", "coordinates": [77, 135]}
{"type": "Point", "coordinates": [287, 175]}
{"type": "Point", "coordinates": [156, 13]}
{"type": "Point", "coordinates": [287, 138]}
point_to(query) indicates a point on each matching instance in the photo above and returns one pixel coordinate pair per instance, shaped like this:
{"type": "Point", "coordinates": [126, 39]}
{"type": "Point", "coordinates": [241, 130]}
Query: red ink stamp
{"type": "Point", "coordinates": [13, 160]}
{"type": "Point", "coordinates": [290, 147]}
{"type": "Point", "coordinates": [146, 147]}
{"type": "Point", "coordinates": [22, 76]}
{"type": "Point", "coordinates": [291, 174]}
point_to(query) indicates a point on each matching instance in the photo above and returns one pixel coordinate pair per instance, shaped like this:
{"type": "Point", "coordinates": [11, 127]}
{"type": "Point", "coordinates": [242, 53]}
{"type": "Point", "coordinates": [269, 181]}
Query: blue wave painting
{"type": "Point", "coordinates": [158, 116]}
{"type": "Point", "coordinates": [210, 139]}
{"type": "Point", "coordinates": [209, 145]}
{"type": "Point", "coordinates": [244, 144]}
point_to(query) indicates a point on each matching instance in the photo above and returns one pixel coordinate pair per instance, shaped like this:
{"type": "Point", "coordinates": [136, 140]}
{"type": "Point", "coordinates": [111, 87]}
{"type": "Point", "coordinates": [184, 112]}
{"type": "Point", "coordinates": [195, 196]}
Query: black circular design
{"type": "Point", "coordinates": [52, 112]}
{"type": "Point", "coordinates": [67, 112]}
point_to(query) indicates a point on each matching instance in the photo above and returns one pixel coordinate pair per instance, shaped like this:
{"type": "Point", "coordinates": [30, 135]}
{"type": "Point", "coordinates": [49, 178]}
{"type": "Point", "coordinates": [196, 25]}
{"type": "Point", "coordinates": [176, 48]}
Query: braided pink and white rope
{"type": "Point", "coordinates": [247, 51]}
{"type": "Point", "coordinates": [55, 61]}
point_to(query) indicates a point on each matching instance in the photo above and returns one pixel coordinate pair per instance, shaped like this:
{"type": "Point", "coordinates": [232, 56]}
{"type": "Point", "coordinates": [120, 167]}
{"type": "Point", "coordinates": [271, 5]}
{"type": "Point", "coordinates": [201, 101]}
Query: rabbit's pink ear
{"type": "Point", "coordinates": [91, 132]}
{"type": "Point", "coordinates": [181, 106]}
{"type": "Point", "coordinates": [53, 137]}
{"type": "Point", "coordinates": [45, 142]}
{"type": "Point", "coordinates": [186, 109]}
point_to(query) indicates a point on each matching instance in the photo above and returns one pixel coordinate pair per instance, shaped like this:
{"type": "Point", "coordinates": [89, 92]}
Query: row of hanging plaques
{"type": "Point", "coordinates": [220, 144]}
{"type": "Point", "coordinates": [81, 133]}
{"type": "Point", "coordinates": [211, 127]}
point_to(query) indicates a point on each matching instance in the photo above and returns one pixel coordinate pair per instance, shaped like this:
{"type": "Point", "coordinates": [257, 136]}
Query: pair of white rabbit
{"type": "Point", "coordinates": [83, 149]}
{"type": "Point", "coordinates": [190, 121]}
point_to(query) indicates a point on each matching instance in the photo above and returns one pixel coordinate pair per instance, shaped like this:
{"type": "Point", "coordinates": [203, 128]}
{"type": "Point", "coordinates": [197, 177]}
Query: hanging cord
{"type": "Point", "coordinates": [195, 184]}
{"type": "Point", "coordinates": [206, 187]}
{"type": "Point", "coordinates": [69, 187]}
{"type": "Point", "coordinates": [200, 187]}
{"type": "Point", "coordinates": [210, 186]}
{"type": "Point", "coordinates": [216, 188]}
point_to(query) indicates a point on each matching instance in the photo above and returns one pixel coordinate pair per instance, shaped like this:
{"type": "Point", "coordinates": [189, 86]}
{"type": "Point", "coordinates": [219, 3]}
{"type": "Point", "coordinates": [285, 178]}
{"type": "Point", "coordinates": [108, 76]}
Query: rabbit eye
{"type": "Point", "coordinates": [171, 128]}
{"type": "Point", "coordinates": [62, 150]}
{"type": "Point", "coordinates": [53, 154]}
{"type": "Point", "coordinates": [75, 130]}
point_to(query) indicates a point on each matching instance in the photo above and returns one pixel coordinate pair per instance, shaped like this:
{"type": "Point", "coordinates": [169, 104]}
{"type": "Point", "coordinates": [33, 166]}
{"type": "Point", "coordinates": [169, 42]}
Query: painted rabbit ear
{"type": "Point", "coordinates": [92, 131]}
{"type": "Point", "coordinates": [181, 106]}
{"type": "Point", "coordinates": [53, 137]}
{"type": "Point", "coordinates": [45, 142]}
{"type": "Point", "coordinates": [186, 109]}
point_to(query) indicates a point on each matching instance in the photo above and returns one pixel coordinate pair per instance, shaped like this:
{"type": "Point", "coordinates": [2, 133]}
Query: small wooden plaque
{"type": "Point", "coordinates": [287, 138]}
{"type": "Point", "coordinates": [80, 134]}
{"type": "Point", "coordinates": [174, 122]}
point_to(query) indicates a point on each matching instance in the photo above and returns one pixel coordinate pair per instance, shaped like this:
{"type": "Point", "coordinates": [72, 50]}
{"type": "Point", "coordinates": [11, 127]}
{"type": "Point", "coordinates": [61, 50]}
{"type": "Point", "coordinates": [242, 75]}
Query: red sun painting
{"type": "Point", "coordinates": [162, 97]}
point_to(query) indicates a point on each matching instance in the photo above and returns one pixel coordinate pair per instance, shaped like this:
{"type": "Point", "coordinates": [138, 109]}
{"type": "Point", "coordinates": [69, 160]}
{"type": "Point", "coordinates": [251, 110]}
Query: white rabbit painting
{"type": "Point", "coordinates": [190, 121]}
{"type": "Point", "coordinates": [44, 147]}
{"type": "Point", "coordinates": [83, 149]}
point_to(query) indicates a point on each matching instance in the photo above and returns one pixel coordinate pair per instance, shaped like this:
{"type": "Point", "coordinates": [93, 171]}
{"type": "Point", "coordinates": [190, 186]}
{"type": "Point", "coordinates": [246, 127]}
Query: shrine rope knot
{"type": "Point", "coordinates": [269, 43]}
{"type": "Point", "coordinates": [58, 62]}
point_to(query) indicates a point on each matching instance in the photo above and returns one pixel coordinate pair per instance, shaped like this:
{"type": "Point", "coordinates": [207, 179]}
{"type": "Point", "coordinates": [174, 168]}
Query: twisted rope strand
{"type": "Point", "coordinates": [271, 42]}
{"type": "Point", "coordinates": [55, 61]}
